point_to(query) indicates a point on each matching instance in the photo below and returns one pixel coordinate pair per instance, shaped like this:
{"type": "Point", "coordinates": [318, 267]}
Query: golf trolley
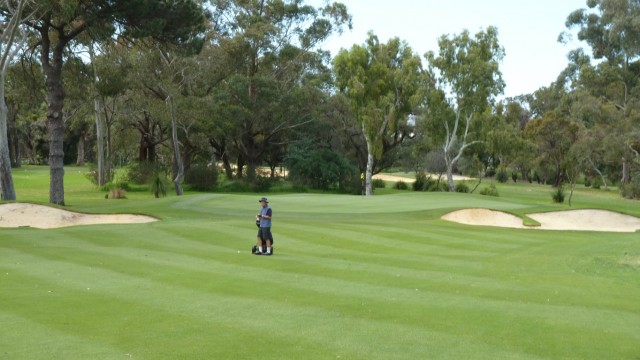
{"type": "Point", "coordinates": [254, 249]}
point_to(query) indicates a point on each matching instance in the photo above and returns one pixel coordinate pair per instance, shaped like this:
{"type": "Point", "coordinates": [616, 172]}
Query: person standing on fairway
{"type": "Point", "coordinates": [264, 232]}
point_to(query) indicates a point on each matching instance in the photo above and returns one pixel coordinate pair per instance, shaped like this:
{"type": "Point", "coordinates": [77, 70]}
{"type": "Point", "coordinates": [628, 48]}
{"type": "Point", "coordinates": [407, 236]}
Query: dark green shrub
{"type": "Point", "coordinates": [490, 191]}
{"type": "Point", "coordinates": [596, 184]}
{"type": "Point", "coordinates": [201, 177]}
{"type": "Point", "coordinates": [401, 185]}
{"type": "Point", "coordinates": [318, 168]}
{"type": "Point", "coordinates": [491, 171]}
{"type": "Point", "coordinates": [379, 184]}
{"type": "Point", "coordinates": [144, 172]}
{"type": "Point", "coordinates": [558, 195]}
{"type": "Point", "coordinates": [631, 190]}
{"type": "Point", "coordinates": [158, 186]}
{"type": "Point", "coordinates": [462, 188]}
{"type": "Point", "coordinates": [262, 183]}
{"type": "Point", "coordinates": [502, 176]}
{"type": "Point", "coordinates": [421, 182]}
{"type": "Point", "coordinates": [587, 182]}
{"type": "Point", "coordinates": [514, 176]}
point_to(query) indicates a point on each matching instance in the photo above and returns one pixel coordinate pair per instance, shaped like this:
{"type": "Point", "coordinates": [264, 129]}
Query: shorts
{"type": "Point", "coordinates": [264, 233]}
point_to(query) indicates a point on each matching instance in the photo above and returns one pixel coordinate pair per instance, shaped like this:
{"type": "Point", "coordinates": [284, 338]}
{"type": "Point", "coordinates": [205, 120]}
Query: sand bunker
{"type": "Point", "coordinates": [582, 220]}
{"type": "Point", "coordinates": [45, 217]}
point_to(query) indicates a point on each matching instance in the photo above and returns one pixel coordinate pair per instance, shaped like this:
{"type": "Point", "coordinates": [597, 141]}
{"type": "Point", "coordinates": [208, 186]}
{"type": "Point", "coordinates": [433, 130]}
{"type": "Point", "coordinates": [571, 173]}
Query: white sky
{"type": "Point", "coordinates": [528, 30]}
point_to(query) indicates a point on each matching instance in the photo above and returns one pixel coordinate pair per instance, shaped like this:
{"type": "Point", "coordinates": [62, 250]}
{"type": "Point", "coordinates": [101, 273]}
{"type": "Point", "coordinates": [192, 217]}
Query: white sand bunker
{"type": "Point", "coordinates": [45, 217]}
{"type": "Point", "coordinates": [582, 220]}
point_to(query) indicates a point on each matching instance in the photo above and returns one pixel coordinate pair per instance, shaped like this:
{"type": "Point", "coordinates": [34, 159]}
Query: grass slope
{"type": "Point", "coordinates": [352, 278]}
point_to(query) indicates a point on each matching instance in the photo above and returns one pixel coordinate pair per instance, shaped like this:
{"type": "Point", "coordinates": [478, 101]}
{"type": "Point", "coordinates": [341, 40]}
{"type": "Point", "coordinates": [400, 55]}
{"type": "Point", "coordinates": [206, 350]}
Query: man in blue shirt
{"type": "Point", "coordinates": [264, 232]}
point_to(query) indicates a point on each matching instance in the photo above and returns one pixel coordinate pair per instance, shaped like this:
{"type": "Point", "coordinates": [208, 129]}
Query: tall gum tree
{"type": "Point", "coordinates": [467, 78]}
{"type": "Point", "coordinates": [11, 39]}
{"type": "Point", "coordinates": [57, 24]}
{"type": "Point", "coordinates": [383, 83]}
{"type": "Point", "coordinates": [612, 29]}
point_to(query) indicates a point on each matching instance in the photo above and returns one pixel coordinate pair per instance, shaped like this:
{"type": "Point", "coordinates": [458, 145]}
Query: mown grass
{"type": "Point", "coordinates": [352, 278]}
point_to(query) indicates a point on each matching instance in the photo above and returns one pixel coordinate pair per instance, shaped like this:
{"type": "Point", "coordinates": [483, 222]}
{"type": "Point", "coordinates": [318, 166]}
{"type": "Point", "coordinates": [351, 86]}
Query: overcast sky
{"type": "Point", "coordinates": [528, 31]}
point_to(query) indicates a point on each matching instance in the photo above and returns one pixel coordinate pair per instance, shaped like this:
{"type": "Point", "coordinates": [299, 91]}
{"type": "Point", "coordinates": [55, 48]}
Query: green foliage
{"type": "Point", "coordinates": [159, 186]}
{"type": "Point", "coordinates": [514, 176]}
{"type": "Point", "coordinates": [502, 176]}
{"type": "Point", "coordinates": [318, 168]}
{"type": "Point", "coordinates": [379, 184]}
{"type": "Point", "coordinates": [201, 177]}
{"type": "Point", "coordinates": [144, 172]}
{"type": "Point", "coordinates": [462, 187]}
{"type": "Point", "coordinates": [490, 190]}
{"type": "Point", "coordinates": [92, 174]}
{"type": "Point", "coordinates": [632, 189]}
{"type": "Point", "coordinates": [558, 195]}
{"type": "Point", "coordinates": [401, 185]}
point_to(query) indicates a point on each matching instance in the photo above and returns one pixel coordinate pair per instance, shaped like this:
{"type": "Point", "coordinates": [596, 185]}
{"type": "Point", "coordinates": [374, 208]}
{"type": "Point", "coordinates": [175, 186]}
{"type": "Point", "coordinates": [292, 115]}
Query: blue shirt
{"type": "Point", "coordinates": [265, 211]}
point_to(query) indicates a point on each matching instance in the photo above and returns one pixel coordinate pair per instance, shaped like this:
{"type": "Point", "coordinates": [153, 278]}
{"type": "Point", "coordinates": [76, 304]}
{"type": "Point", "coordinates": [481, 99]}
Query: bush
{"type": "Point", "coordinates": [502, 176]}
{"type": "Point", "coordinates": [587, 182]}
{"type": "Point", "coordinates": [401, 185]}
{"type": "Point", "coordinates": [514, 176]}
{"type": "Point", "coordinates": [159, 186]}
{"type": "Point", "coordinates": [631, 190]}
{"type": "Point", "coordinates": [201, 177]}
{"type": "Point", "coordinates": [262, 184]}
{"type": "Point", "coordinates": [318, 168]}
{"type": "Point", "coordinates": [421, 182]}
{"type": "Point", "coordinates": [558, 195]}
{"type": "Point", "coordinates": [490, 191]}
{"type": "Point", "coordinates": [144, 172]}
{"type": "Point", "coordinates": [379, 184]}
{"type": "Point", "coordinates": [92, 174]}
{"type": "Point", "coordinates": [462, 188]}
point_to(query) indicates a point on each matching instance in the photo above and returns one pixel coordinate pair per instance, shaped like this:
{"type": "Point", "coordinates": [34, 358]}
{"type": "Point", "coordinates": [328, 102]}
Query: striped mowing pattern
{"type": "Point", "coordinates": [352, 278]}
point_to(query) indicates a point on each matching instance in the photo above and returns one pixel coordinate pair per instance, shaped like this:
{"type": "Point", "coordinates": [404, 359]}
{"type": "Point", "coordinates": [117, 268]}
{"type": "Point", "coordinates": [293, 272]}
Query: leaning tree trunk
{"type": "Point", "coordinates": [6, 177]}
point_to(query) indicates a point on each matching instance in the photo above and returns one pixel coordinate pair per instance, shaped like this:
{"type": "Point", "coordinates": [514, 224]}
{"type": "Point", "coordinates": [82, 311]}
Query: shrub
{"type": "Point", "coordinates": [587, 182]}
{"type": "Point", "coordinates": [401, 185]}
{"type": "Point", "coordinates": [318, 168]}
{"type": "Point", "coordinates": [379, 184]}
{"type": "Point", "coordinates": [558, 195]}
{"type": "Point", "coordinates": [144, 172]}
{"type": "Point", "coordinates": [159, 186]}
{"type": "Point", "coordinates": [92, 174]}
{"type": "Point", "coordinates": [631, 190]}
{"type": "Point", "coordinates": [502, 176]}
{"type": "Point", "coordinates": [490, 191]}
{"type": "Point", "coordinates": [514, 176]}
{"type": "Point", "coordinates": [116, 193]}
{"type": "Point", "coordinates": [420, 183]}
{"type": "Point", "coordinates": [201, 177]}
{"type": "Point", "coordinates": [462, 188]}
{"type": "Point", "coordinates": [262, 183]}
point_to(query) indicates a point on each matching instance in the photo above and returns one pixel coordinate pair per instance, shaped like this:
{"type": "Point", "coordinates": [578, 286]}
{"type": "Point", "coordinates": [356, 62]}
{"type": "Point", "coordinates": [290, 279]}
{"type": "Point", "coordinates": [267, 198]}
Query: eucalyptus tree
{"type": "Point", "coordinates": [612, 29]}
{"type": "Point", "coordinates": [276, 75]}
{"type": "Point", "coordinates": [12, 13]}
{"type": "Point", "coordinates": [57, 24]}
{"type": "Point", "coordinates": [467, 78]}
{"type": "Point", "coordinates": [384, 85]}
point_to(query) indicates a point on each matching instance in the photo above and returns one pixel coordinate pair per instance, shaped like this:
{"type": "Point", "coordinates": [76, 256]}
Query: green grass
{"type": "Point", "coordinates": [352, 278]}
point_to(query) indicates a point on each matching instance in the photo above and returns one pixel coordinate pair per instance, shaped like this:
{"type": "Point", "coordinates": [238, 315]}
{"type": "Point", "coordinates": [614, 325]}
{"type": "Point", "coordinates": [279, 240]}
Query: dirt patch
{"type": "Point", "coordinates": [580, 220]}
{"type": "Point", "coordinates": [394, 178]}
{"type": "Point", "coordinates": [44, 217]}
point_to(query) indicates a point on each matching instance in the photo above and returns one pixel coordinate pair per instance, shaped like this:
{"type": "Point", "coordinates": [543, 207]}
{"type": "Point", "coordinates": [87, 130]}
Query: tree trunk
{"type": "Point", "coordinates": [626, 171]}
{"type": "Point", "coordinates": [368, 174]}
{"type": "Point", "coordinates": [178, 168]}
{"type": "Point", "coordinates": [7, 188]}
{"type": "Point", "coordinates": [97, 106]}
{"type": "Point", "coordinates": [52, 61]}
{"type": "Point", "coordinates": [12, 137]}
{"type": "Point", "coordinates": [82, 141]}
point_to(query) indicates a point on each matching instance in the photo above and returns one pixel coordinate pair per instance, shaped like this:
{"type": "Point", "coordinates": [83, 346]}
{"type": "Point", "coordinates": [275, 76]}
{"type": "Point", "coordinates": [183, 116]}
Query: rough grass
{"type": "Point", "coordinates": [352, 278]}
